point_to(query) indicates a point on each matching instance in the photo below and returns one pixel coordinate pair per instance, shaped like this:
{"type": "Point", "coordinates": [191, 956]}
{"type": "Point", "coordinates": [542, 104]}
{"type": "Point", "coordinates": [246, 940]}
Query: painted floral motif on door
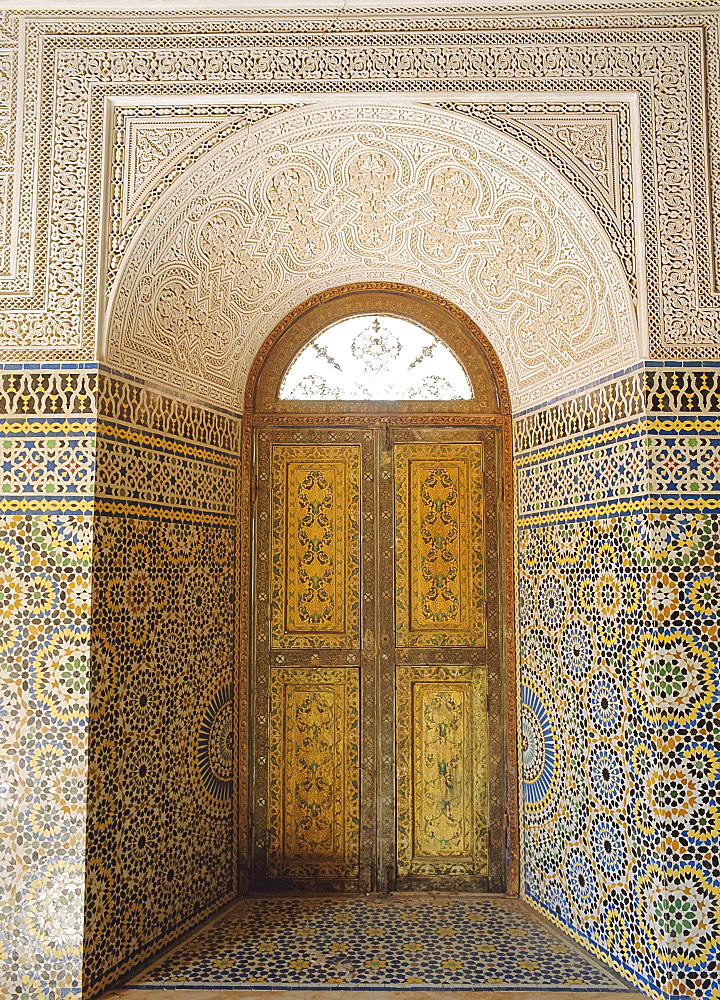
{"type": "Point", "coordinates": [314, 757]}
{"type": "Point", "coordinates": [315, 575]}
{"type": "Point", "coordinates": [441, 770]}
{"type": "Point", "coordinates": [439, 545]}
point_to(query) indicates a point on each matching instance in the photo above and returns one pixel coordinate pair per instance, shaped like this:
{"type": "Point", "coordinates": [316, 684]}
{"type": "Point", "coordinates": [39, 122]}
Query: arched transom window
{"type": "Point", "coordinates": [375, 357]}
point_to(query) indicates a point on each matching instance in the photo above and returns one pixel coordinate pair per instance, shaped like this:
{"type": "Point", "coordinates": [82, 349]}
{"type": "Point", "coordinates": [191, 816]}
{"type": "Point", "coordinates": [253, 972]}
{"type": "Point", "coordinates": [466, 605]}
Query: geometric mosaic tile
{"type": "Point", "coordinates": [618, 596]}
{"type": "Point", "coordinates": [618, 603]}
{"type": "Point", "coordinates": [46, 485]}
{"type": "Point", "coordinates": [401, 942]}
{"type": "Point", "coordinates": [44, 633]}
{"type": "Point", "coordinates": [160, 816]}
{"type": "Point", "coordinates": [46, 465]}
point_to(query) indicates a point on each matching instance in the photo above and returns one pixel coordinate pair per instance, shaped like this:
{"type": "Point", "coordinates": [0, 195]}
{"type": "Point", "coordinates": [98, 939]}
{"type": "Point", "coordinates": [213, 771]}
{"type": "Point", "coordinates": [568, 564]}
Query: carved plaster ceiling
{"type": "Point", "coordinates": [334, 193]}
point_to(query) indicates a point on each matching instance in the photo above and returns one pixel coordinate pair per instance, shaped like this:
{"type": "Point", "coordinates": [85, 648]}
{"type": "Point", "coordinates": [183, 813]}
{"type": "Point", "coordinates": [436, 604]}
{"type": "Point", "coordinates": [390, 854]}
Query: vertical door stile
{"type": "Point", "coordinates": [367, 666]}
{"type": "Point", "coordinates": [385, 661]}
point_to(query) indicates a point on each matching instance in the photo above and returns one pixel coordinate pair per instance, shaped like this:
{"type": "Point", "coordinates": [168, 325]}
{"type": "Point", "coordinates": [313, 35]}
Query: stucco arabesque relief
{"type": "Point", "coordinates": [331, 194]}
{"type": "Point", "coordinates": [667, 60]}
{"type": "Point", "coordinates": [588, 141]}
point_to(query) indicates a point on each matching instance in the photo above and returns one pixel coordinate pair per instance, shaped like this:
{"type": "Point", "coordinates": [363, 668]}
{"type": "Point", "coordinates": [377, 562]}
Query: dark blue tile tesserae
{"type": "Point", "coordinates": [395, 943]}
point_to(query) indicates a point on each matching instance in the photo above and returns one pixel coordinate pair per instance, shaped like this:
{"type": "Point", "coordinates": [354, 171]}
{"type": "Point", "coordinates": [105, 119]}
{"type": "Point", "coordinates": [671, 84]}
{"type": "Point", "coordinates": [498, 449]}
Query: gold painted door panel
{"type": "Point", "coordinates": [315, 570]}
{"type": "Point", "coordinates": [441, 731]}
{"type": "Point", "coordinates": [439, 593]}
{"type": "Point", "coordinates": [442, 484]}
{"type": "Point", "coordinates": [376, 689]}
{"type": "Point", "coordinates": [314, 773]}
{"type": "Point", "coordinates": [312, 550]}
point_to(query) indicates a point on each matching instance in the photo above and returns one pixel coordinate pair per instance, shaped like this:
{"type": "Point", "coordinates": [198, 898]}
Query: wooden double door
{"type": "Point", "coordinates": [377, 743]}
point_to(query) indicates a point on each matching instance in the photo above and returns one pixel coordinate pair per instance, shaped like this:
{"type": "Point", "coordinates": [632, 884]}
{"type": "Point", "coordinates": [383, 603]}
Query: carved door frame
{"type": "Point", "coordinates": [489, 410]}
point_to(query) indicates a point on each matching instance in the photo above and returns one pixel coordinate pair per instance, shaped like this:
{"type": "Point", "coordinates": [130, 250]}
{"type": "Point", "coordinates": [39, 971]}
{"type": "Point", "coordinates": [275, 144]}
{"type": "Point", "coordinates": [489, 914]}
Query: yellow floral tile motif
{"type": "Point", "coordinates": [315, 574]}
{"type": "Point", "coordinates": [439, 542]}
{"type": "Point", "coordinates": [442, 771]}
{"type": "Point", "coordinates": [314, 807]}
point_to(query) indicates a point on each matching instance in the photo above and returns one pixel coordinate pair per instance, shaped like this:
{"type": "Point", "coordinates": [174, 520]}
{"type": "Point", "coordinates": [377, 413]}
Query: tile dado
{"type": "Point", "coordinates": [47, 440]}
{"type": "Point", "coordinates": [587, 748]}
{"type": "Point", "coordinates": [666, 457]}
{"type": "Point", "coordinates": [682, 686]}
{"type": "Point", "coordinates": [133, 513]}
{"type": "Point", "coordinates": [620, 680]}
{"type": "Point", "coordinates": [610, 404]}
{"type": "Point", "coordinates": [161, 824]}
{"type": "Point", "coordinates": [143, 407]}
{"type": "Point", "coordinates": [683, 390]}
{"type": "Point", "coordinates": [47, 459]}
{"type": "Point", "coordinates": [45, 567]}
{"type": "Point", "coordinates": [37, 391]}
{"type": "Point", "coordinates": [671, 463]}
{"type": "Point", "coordinates": [646, 391]}
{"type": "Point", "coordinates": [684, 456]}
{"type": "Point", "coordinates": [619, 668]}
{"type": "Point", "coordinates": [160, 812]}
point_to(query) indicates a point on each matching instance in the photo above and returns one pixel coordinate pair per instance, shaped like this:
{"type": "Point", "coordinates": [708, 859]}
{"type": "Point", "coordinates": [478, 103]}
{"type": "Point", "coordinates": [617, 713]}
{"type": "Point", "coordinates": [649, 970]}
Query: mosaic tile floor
{"type": "Point", "coordinates": [431, 943]}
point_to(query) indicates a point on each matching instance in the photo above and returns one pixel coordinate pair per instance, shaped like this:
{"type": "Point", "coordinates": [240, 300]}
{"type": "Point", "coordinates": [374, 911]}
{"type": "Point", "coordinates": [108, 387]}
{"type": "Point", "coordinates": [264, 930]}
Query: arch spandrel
{"type": "Point", "coordinates": [330, 195]}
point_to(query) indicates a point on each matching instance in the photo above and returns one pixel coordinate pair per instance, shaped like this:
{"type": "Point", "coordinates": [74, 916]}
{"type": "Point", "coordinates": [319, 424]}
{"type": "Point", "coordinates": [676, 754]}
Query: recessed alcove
{"type": "Point", "coordinates": [187, 203]}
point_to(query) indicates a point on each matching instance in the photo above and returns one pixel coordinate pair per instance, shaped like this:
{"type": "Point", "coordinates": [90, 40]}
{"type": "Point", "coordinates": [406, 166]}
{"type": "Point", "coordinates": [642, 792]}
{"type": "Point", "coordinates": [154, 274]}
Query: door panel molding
{"type": "Point", "coordinates": [315, 562]}
{"type": "Point", "coordinates": [314, 779]}
{"type": "Point", "coordinates": [439, 544]}
{"type": "Point", "coordinates": [442, 809]}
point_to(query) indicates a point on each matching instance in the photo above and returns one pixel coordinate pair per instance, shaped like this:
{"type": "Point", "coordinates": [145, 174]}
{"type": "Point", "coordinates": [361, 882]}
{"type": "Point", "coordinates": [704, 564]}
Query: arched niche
{"type": "Point", "coordinates": [335, 193]}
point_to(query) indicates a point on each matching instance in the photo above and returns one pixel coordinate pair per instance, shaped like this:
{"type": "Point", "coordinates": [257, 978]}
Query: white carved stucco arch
{"type": "Point", "coordinates": [335, 193]}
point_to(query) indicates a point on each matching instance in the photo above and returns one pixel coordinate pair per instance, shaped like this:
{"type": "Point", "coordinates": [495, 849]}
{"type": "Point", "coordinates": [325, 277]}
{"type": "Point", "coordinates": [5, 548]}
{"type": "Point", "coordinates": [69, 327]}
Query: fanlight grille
{"type": "Point", "coordinates": [376, 357]}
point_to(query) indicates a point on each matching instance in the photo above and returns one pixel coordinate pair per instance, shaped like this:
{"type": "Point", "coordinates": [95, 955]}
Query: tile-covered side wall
{"type": "Point", "coordinates": [619, 674]}
{"type": "Point", "coordinates": [47, 432]}
{"type": "Point", "coordinates": [682, 692]}
{"type": "Point", "coordinates": [581, 478]}
{"type": "Point", "coordinates": [161, 823]}
{"type": "Point", "coordinates": [682, 689]}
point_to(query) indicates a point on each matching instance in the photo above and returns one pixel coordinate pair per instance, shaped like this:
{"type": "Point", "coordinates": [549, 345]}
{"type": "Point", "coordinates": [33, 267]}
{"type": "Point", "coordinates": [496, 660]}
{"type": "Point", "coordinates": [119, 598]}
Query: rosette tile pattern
{"type": "Point", "coordinates": [680, 688]}
{"type": "Point", "coordinates": [48, 465]}
{"type": "Point", "coordinates": [618, 539]}
{"type": "Point", "coordinates": [160, 823]}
